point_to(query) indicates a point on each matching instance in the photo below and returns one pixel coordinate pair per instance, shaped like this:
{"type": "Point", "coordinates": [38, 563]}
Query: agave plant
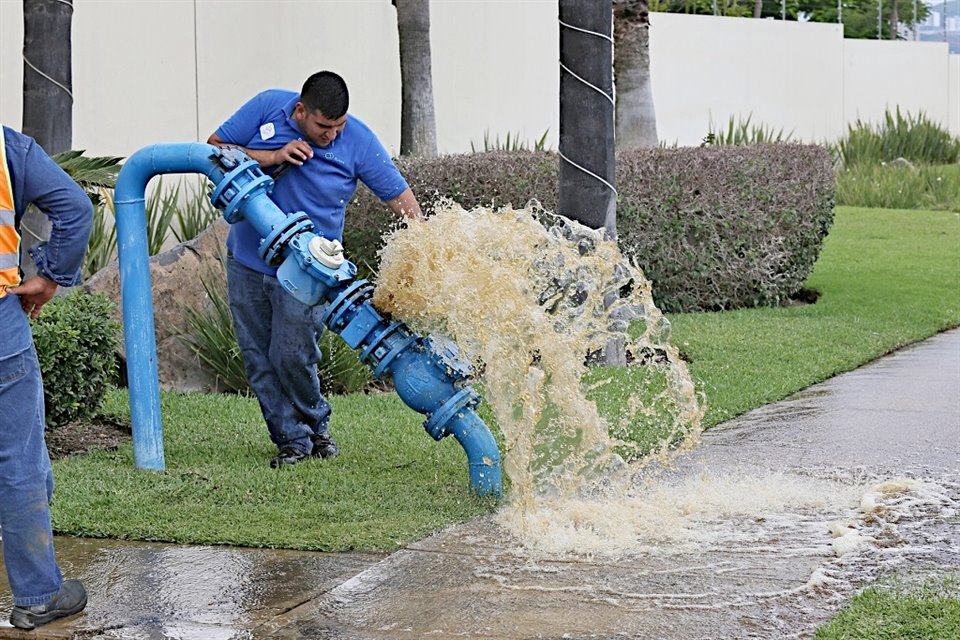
{"type": "Point", "coordinates": [511, 143]}
{"type": "Point", "coordinates": [195, 213]}
{"type": "Point", "coordinates": [916, 138]}
{"type": "Point", "coordinates": [212, 340]}
{"type": "Point", "coordinates": [742, 132]}
{"type": "Point", "coordinates": [102, 246]}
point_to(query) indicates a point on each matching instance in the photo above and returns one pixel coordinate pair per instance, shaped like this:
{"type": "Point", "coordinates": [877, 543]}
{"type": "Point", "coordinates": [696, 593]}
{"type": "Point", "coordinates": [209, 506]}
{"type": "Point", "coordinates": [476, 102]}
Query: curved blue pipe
{"type": "Point", "coordinates": [136, 289]}
{"type": "Point", "coordinates": [427, 373]}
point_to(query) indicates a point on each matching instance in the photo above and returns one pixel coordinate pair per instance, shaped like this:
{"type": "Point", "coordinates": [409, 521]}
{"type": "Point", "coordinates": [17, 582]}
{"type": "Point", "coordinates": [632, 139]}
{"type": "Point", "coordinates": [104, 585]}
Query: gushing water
{"type": "Point", "coordinates": [531, 298]}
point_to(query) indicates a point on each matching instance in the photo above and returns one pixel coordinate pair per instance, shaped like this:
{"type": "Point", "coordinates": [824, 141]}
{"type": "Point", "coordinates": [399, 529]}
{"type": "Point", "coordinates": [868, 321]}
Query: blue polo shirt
{"type": "Point", "coordinates": [324, 185]}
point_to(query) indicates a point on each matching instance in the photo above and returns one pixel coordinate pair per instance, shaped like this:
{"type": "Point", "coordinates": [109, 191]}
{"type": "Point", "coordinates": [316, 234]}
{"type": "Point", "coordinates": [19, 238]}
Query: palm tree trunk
{"type": "Point", "coordinates": [47, 96]}
{"type": "Point", "coordinates": [587, 165]}
{"type": "Point", "coordinates": [894, 20]}
{"type": "Point", "coordinates": [418, 124]}
{"type": "Point", "coordinates": [636, 117]}
{"type": "Point", "coordinates": [587, 158]}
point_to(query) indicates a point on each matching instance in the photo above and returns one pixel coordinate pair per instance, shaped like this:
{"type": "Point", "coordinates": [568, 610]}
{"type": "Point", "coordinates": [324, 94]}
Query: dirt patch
{"type": "Point", "coordinates": [83, 437]}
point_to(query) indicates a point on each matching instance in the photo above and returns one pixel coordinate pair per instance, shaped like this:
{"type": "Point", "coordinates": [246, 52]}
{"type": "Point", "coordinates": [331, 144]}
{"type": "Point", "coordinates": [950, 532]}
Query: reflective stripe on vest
{"type": "Point", "coordinates": [9, 238]}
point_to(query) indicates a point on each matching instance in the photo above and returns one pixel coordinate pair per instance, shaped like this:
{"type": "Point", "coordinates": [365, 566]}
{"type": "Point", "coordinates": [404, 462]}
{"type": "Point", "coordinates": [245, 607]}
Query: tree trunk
{"type": "Point", "coordinates": [418, 124]}
{"type": "Point", "coordinates": [635, 114]}
{"type": "Point", "coordinates": [586, 115]}
{"type": "Point", "coordinates": [47, 97]}
{"type": "Point", "coordinates": [757, 8]}
{"type": "Point", "coordinates": [587, 158]}
{"type": "Point", "coordinates": [894, 20]}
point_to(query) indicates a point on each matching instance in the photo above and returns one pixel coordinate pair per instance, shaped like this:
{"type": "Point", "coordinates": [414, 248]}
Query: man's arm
{"type": "Point", "coordinates": [294, 152]}
{"type": "Point", "coordinates": [60, 259]}
{"type": "Point", "coordinates": [405, 205]}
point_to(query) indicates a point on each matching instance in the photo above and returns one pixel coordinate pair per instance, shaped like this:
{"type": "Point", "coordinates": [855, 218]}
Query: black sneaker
{"type": "Point", "coordinates": [70, 599]}
{"type": "Point", "coordinates": [324, 446]}
{"type": "Point", "coordinates": [287, 456]}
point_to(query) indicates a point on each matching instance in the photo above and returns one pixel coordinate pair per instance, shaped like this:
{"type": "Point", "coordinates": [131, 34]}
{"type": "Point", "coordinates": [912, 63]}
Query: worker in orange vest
{"type": "Point", "coordinates": [29, 176]}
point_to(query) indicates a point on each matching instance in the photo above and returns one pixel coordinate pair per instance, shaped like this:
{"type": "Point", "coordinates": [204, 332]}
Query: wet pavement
{"type": "Point", "coordinates": [775, 520]}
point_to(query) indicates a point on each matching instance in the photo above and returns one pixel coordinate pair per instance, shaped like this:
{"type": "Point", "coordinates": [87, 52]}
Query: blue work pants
{"type": "Point", "coordinates": [26, 477]}
{"type": "Point", "coordinates": [278, 337]}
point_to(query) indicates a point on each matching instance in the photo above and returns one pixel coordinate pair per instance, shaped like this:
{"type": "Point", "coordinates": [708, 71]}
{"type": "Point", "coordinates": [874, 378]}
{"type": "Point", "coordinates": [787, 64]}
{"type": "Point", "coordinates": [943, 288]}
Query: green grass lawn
{"type": "Point", "coordinates": [885, 278]}
{"type": "Point", "coordinates": [900, 610]}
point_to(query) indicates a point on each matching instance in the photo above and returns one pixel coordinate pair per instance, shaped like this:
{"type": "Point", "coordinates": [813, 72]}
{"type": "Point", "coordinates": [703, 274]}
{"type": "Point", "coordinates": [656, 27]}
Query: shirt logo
{"type": "Point", "coordinates": [267, 131]}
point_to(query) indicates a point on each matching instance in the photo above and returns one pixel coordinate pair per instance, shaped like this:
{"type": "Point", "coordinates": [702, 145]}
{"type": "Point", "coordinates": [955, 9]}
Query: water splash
{"type": "Point", "coordinates": [530, 298]}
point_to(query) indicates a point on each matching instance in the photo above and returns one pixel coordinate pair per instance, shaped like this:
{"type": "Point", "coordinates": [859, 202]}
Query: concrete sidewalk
{"type": "Point", "coordinates": [893, 424]}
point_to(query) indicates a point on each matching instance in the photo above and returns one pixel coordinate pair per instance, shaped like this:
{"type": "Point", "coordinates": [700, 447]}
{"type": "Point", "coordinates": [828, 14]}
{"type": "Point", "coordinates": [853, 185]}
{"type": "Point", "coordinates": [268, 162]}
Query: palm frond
{"type": "Point", "coordinates": [91, 173]}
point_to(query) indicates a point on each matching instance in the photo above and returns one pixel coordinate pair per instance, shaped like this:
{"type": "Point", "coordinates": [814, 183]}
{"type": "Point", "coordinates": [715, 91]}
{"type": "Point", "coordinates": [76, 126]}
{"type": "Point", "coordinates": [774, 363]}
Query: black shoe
{"type": "Point", "coordinates": [287, 455]}
{"type": "Point", "coordinates": [324, 446]}
{"type": "Point", "coordinates": [70, 599]}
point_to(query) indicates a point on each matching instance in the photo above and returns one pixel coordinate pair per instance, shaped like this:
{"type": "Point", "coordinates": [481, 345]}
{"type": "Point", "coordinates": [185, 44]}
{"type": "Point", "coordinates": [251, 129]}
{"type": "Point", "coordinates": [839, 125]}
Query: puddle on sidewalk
{"type": "Point", "coordinates": [768, 568]}
{"type": "Point", "coordinates": [163, 591]}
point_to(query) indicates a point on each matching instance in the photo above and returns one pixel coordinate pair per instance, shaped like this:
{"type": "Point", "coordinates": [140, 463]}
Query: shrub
{"type": "Point", "coordinates": [76, 338]}
{"type": "Point", "coordinates": [725, 227]}
{"type": "Point", "coordinates": [714, 228]}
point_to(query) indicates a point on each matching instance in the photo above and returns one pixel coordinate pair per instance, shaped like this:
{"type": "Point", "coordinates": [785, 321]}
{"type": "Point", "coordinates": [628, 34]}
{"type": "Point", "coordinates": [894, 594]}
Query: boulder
{"type": "Point", "coordinates": [176, 277]}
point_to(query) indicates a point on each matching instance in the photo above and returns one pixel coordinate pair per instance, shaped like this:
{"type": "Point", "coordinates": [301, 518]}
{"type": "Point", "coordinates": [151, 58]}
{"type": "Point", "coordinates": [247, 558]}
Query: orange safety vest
{"type": "Point", "coordinates": [9, 238]}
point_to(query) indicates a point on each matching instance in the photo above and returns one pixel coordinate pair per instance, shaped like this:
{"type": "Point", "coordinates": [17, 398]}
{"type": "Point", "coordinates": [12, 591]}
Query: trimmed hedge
{"type": "Point", "coordinates": [713, 228]}
{"type": "Point", "coordinates": [76, 339]}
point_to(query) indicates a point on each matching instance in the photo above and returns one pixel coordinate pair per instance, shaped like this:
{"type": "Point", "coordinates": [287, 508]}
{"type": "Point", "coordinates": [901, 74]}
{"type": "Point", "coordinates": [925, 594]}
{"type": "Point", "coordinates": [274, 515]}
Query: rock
{"type": "Point", "coordinates": [899, 163]}
{"type": "Point", "coordinates": [176, 279]}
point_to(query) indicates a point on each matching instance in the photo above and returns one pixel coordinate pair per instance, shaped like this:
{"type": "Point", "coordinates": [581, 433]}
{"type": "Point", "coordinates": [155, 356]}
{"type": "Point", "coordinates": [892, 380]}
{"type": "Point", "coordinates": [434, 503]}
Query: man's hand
{"type": "Point", "coordinates": [295, 152]}
{"type": "Point", "coordinates": [34, 293]}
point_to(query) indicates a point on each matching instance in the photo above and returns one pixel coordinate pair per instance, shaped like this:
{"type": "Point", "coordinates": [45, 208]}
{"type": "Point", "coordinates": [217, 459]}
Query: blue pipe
{"type": "Point", "coordinates": [136, 289]}
{"type": "Point", "coordinates": [428, 373]}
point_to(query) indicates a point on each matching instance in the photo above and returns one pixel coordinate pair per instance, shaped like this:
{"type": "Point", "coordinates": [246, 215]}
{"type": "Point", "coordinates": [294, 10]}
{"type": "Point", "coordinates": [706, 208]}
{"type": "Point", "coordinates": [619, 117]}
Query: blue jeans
{"type": "Point", "coordinates": [278, 337]}
{"type": "Point", "coordinates": [26, 478]}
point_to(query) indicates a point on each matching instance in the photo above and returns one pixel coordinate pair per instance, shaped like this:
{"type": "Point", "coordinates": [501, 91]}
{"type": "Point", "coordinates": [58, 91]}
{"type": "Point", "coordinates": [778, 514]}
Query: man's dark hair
{"type": "Point", "coordinates": [327, 92]}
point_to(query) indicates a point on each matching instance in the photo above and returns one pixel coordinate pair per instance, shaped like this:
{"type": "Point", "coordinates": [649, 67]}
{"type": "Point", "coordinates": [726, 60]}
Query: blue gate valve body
{"type": "Point", "coordinates": [428, 373]}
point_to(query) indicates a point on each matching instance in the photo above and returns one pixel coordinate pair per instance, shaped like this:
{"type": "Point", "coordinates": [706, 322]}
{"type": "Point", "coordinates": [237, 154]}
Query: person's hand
{"type": "Point", "coordinates": [34, 293]}
{"type": "Point", "coordinates": [294, 152]}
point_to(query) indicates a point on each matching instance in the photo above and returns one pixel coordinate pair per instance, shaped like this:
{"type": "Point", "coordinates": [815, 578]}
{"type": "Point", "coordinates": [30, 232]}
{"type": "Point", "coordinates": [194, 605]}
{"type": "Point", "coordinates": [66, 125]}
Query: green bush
{"type": "Point", "coordinates": [76, 339]}
{"type": "Point", "coordinates": [719, 227]}
{"type": "Point", "coordinates": [725, 227]}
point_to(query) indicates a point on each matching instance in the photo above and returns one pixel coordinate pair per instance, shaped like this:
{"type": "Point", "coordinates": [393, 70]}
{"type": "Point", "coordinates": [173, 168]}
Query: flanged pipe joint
{"type": "Point", "coordinates": [428, 372]}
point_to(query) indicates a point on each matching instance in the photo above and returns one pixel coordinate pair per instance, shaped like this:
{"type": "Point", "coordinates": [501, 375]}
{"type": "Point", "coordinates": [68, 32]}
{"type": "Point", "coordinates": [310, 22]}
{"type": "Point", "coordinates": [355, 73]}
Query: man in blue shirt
{"type": "Point", "coordinates": [316, 152]}
{"type": "Point", "coordinates": [29, 176]}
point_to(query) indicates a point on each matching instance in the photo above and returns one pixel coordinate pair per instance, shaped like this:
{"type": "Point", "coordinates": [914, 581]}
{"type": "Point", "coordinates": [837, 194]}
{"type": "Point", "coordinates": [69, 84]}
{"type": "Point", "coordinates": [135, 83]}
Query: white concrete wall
{"type": "Point", "coordinates": [148, 71]}
{"type": "Point", "coordinates": [884, 75]}
{"type": "Point", "coordinates": [783, 75]}
{"type": "Point", "coordinates": [953, 90]}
